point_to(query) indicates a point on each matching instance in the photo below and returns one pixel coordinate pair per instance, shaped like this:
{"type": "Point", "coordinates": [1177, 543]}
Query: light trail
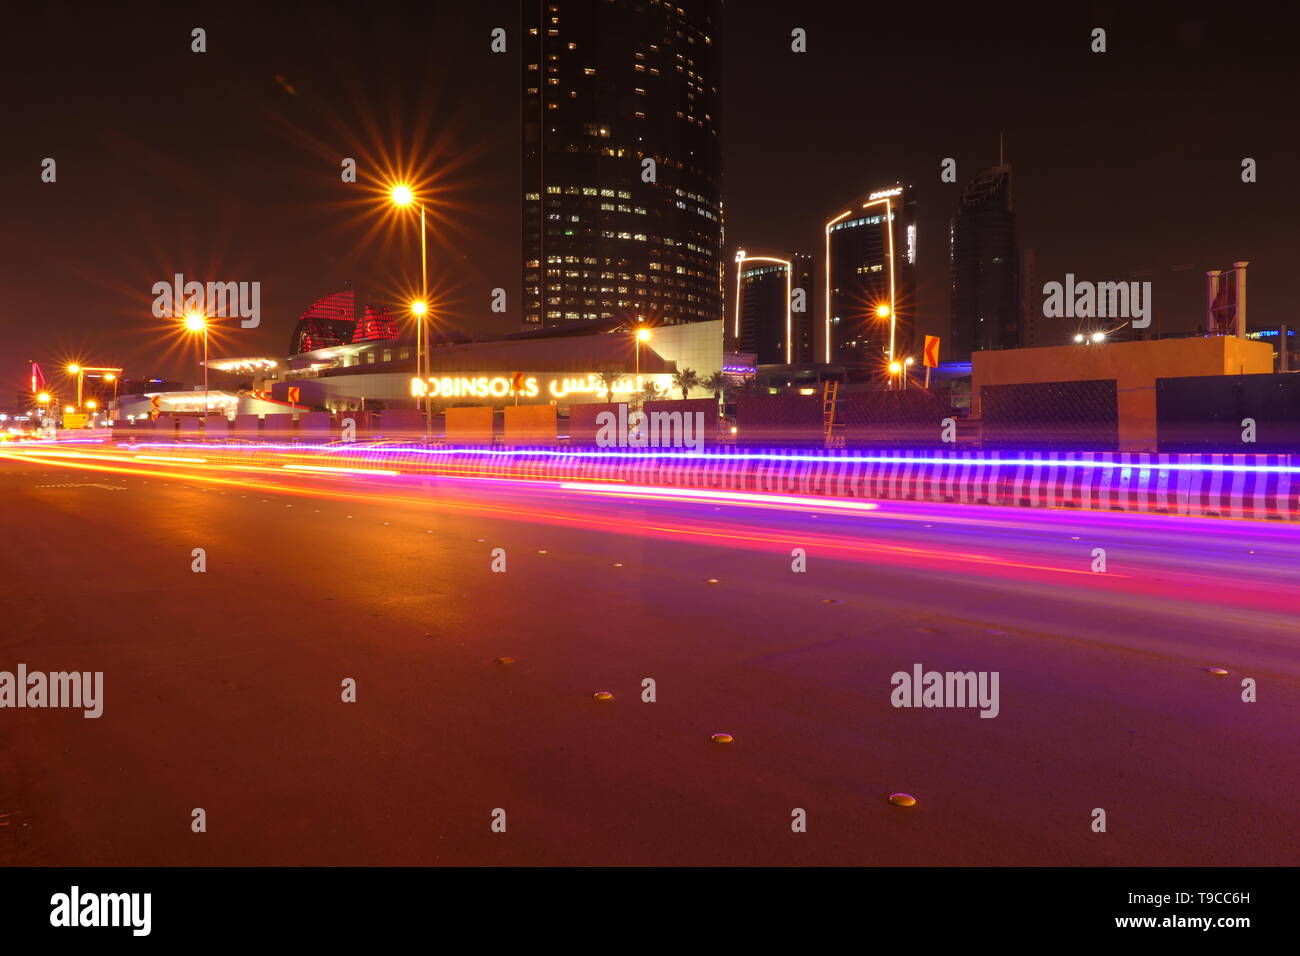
{"type": "Point", "coordinates": [734, 497]}
{"type": "Point", "coordinates": [342, 471]}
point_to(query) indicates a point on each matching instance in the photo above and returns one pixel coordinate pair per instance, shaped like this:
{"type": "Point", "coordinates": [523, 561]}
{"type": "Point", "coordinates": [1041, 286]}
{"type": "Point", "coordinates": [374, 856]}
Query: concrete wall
{"type": "Point", "coordinates": [246, 426]}
{"type": "Point", "coordinates": [314, 424]}
{"type": "Point", "coordinates": [694, 345]}
{"type": "Point", "coordinates": [1134, 366]}
{"type": "Point", "coordinates": [582, 420]}
{"type": "Point", "coordinates": [529, 424]}
{"type": "Point", "coordinates": [470, 426]}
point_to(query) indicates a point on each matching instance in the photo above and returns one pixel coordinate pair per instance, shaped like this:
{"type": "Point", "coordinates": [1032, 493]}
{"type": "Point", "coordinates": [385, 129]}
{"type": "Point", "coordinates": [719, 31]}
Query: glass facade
{"type": "Point", "coordinates": [871, 278]}
{"type": "Point", "coordinates": [985, 268]}
{"type": "Point", "coordinates": [607, 86]}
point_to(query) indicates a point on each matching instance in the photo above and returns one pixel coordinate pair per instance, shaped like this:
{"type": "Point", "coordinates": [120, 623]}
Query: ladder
{"type": "Point", "coordinates": [830, 403]}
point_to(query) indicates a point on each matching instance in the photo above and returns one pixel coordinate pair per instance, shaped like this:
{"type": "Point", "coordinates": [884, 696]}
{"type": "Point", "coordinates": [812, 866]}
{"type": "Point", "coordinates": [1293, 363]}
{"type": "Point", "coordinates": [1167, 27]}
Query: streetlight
{"type": "Point", "coordinates": [907, 363]}
{"type": "Point", "coordinates": [197, 322]}
{"type": "Point", "coordinates": [77, 370]}
{"type": "Point", "coordinates": [403, 196]}
{"type": "Point", "coordinates": [642, 335]}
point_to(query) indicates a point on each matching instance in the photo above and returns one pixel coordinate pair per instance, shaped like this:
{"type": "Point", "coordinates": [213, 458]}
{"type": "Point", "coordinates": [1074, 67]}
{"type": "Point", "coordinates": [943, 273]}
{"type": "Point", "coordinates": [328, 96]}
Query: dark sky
{"type": "Point", "coordinates": [170, 161]}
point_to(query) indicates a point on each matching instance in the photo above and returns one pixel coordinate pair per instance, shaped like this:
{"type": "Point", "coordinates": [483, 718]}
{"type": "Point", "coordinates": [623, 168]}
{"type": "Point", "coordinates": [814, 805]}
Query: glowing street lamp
{"type": "Point", "coordinates": [197, 323]}
{"type": "Point", "coordinates": [403, 196]}
{"type": "Point", "coordinates": [77, 370]}
{"type": "Point", "coordinates": [642, 335]}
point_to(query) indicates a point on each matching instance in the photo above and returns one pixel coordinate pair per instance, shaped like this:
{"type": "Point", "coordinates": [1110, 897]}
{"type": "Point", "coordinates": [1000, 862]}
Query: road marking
{"type": "Point", "coordinates": [85, 485]}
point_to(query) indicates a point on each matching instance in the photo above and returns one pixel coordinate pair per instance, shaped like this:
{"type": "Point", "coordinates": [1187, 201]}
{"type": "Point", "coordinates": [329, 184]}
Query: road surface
{"type": "Point", "coordinates": [223, 689]}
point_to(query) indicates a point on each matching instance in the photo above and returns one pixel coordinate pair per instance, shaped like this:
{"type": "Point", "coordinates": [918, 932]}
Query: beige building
{"type": "Point", "coordinates": [1134, 366]}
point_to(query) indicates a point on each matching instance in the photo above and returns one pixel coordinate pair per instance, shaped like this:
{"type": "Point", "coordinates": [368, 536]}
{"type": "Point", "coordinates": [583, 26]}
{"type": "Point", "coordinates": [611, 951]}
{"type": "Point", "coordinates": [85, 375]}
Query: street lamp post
{"type": "Point", "coordinates": [78, 371]}
{"type": "Point", "coordinates": [642, 335]}
{"type": "Point", "coordinates": [197, 322]}
{"type": "Point", "coordinates": [402, 195]}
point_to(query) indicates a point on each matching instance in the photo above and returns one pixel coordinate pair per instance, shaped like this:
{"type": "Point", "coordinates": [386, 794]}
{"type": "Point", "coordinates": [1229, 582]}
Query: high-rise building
{"type": "Point", "coordinates": [622, 161]}
{"type": "Point", "coordinates": [985, 268]}
{"type": "Point", "coordinates": [805, 308]}
{"type": "Point", "coordinates": [763, 322]}
{"type": "Point", "coordinates": [1033, 331]}
{"type": "Point", "coordinates": [870, 279]}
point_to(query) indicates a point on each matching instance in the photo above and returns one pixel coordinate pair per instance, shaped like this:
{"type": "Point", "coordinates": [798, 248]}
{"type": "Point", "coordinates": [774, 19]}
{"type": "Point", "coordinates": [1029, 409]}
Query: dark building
{"type": "Point", "coordinates": [870, 270]}
{"type": "Point", "coordinates": [985, 268]}
{"type": "Point", "coordinates": [607, 86]}
{"type": "Point", "coordinates": [805, 320]}
{"type": "Point", "coordinates": [763, 322]}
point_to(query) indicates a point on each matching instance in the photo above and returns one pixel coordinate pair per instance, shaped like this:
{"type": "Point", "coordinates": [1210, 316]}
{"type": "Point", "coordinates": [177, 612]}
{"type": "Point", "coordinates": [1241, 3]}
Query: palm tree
{"type": "Point", "coordinates": [686, 379]}
{"type": "Point", "coordinates": [608, 379]}
{"type": "Point", "coordinates": [715, 383]}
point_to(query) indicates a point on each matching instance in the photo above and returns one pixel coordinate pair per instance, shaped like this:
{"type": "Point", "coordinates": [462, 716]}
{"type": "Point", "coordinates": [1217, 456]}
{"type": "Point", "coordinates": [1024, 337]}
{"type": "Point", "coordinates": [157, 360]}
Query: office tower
{"type": "Point", "coordinates": [985, 267]}
{"type": "Point", "coordinates": [870, 279]}
{"type": "Point", "coordinates": [621, 161]}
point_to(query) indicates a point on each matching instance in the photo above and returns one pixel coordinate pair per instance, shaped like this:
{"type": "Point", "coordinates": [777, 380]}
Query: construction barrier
{"type": "Point", "coordinates": [1232, 486]}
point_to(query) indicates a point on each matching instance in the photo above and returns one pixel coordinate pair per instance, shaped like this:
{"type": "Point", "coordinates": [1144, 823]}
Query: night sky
{"type": "Point", "coordinates": [225, 165]}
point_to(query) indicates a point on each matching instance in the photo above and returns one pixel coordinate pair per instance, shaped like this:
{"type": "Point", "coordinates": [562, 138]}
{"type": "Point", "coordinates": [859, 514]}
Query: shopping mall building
{"type": "Point", "coordinates": [340, 364]}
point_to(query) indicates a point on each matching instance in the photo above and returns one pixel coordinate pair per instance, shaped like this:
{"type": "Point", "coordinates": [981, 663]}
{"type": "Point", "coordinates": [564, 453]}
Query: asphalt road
{"type": "Point", "coordinates": [223, 688]}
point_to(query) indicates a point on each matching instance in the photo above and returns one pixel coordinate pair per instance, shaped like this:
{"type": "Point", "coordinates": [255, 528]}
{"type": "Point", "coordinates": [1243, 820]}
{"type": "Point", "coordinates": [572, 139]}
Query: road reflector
{"type": "Point", "coordinates": [602, 695]}
{"type": "Point", "coordinates": [504, 660]}
{"type": "Point", "coordinates": [1217, 671]}
{"type": "Point", "coordinates": [711, 581]}
{"type": "Point", "coordinates": [722, 738]}
{"type": "Point", "coordinates": [902, 799]}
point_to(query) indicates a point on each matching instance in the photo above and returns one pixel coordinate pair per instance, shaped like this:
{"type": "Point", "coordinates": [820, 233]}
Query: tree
{"type": "Point", "coordinates": [608, 379]}
{"type": "Point", "coordinates": [686, 379]}
{"type": "Point", "coordinates": [717, 384]}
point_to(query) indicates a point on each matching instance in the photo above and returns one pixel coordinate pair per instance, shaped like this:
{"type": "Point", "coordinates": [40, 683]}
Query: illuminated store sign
{"type": "Point", "coordinates": [532, 386]}
{"type": "Point", "coordinates": [884, 193]}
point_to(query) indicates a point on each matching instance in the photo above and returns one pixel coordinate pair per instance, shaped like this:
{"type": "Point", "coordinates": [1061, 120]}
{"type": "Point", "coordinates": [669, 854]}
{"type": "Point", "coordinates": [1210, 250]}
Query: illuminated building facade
{"type": "Point", "coordinates": [762, 319]}
{"type": "Point", "coordinates": [869, 283]}
{"type": "Point", "coordinates": [332, 321]}
{"type": "Point", "coordinates": [621, 161]}
{"type": "Point", "coordinates": [328, 321]}
{"type": "Point", "coordinates": [986, 313]}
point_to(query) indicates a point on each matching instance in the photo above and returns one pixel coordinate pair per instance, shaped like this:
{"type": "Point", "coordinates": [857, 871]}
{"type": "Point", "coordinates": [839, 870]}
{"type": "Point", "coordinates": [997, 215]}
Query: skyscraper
{"type": "Point", "coordinates": [870, 279]}
{"type": "Point", "coordinates": [985, 267]}
{"type": "Point", "coordinates": [763, 322]}
{"type": "Point", "coordinates": [622, 161]}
